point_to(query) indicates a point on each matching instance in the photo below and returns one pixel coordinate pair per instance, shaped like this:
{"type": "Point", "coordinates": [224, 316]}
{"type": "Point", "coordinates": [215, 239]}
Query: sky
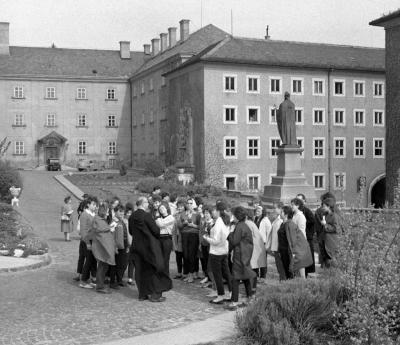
{"type": "Point", "coordinates": [101, 24]}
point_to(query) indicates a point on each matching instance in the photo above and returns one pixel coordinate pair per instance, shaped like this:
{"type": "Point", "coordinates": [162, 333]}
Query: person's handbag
{"type": "Point", "coordinates": [64, 217]}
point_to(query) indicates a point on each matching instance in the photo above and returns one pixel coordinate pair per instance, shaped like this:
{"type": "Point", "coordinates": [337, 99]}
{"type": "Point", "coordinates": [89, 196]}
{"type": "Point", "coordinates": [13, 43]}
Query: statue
{"type": "Point", "coordinates": [286, 120]}
{"type": "Point", "coordinates": [15, 193]}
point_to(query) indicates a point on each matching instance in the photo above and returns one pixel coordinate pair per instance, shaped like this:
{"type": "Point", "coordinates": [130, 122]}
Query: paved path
{"type": "Point", "coordinates": [45, 306]}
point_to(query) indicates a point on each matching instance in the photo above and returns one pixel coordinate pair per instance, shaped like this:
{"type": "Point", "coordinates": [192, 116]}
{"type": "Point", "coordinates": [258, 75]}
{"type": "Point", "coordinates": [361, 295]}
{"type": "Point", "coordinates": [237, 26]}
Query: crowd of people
{"type": "Point", "coordinates": [215, 244]}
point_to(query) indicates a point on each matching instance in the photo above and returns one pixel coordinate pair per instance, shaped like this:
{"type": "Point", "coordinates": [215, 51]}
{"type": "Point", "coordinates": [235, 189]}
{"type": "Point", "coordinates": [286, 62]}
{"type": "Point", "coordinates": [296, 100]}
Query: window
{"type": "Point", "coordinates": [230, 182]}
{"type": "Point", "coordinates": [318, 116]}
{"type": "Point", "coordinates": [142, 87]}
{"type": "Point", "coordinates": [163, 81]}
{"type": "Point", "coordinates": [81, 93]}
{"type": "Point", "coordinates": [298, 112]}
{"type": "Point", "coordinates": [230, 114]}
{"type": "Point", "coordinates": [230, 149]}
{"type": "Point", "coordinates": [272, 115]}
{"type": "Point", "coordinates": [111, 94]}
{"type": "Point", "coordinates": [112, 162]}
{"type": "Point", "coordinates": [253, 115]}
{"type": "Point", "coordinates": [253, 182]}
{"type": "Point", "coordinates": [318, 87]}
{"type": "Point", "coordinates": [378, 148]}
{"type": "Point", "coordinates": [378, 89]}
{"type": "Point", "coordinates": [359, 88]}
{"type": "Point", "coordinates": [274, 145]}
{"type": "Point", "coordinates": [51, 120]}
{"type": "Point", "coordinates": [82, 121]}
{"type": "Point", "coordinates": [253, 147]}
{"type": "Point", "coordinates": [19, 120]}
{"type": "Point", "coordinates": [378, 118]}
{"type": "Point", "coordinates": [253, 84]}
{"type": "Point", "coordinates": [230, 83]}
{"type": "Point", "coordinates": [112, 148]}
{"type": "Point", "coordinates": [18, 92]}
{"type": "Point", "coordinates": [275, 85]}
{"type": "Point", "coordinates": [143, 118]}
{"type": "Point", "coordinates": [339, 88]}
{"type": "Point", "coordinates": [318, 147]}
{"type": "Point", "coordinates": [134, 120]}
{"type": "Point", "coordinates": [300, 143]}
{"type": "Point", "coordinates": [319, 181]}
{"type": "Point", "coordinates": [151, 86]}
{"type": "Point", "coordinates": [339, 147]}
{"type": "Point", "coordinates": [51, 92]}
{"type": "Point", "coordinates": [112, 121]}
{"type": "Point", "coordinates": [82, 147]}
{"type": "Point", "coordinates": [297, 86]}
{"type": "Point", "coordinates": [339, 117]}
{"type": "Point", "coordinates": [134, 91]}
{"type": "Point", "coordinates": [359, 147]}
{"type": "Point", "coordinates": [19, 148]}
{"type": "Point", "coordinates": [151, 116]}
{"type": "Point", "coordinates": [339, 180]}
{"type": "Point", "coordinates": [359, 117]}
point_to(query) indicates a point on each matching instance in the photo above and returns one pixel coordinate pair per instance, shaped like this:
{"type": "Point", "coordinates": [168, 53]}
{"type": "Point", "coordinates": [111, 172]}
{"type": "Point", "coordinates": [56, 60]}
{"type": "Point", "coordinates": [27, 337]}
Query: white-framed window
{"type": "Point", "coordinates": [299, 112]}
{"type": "Point", "coordinates": [82, 147]}
{"type": "Point", "coordinates": [318, 147]}
{"type": "Point", "coordinates": [143, 118]}
{"type": "Point", "coordinates": [318, 88]}
{"type": "Point", "coordinates": [230, 147]}
{"type": "Point", "coordinates": [151, 86]}
{"type": "Point", "coordinates": [230, 83]}
{"type": "Point", "coordinates": [379, 147]}
{"type": "Point", "coordinates": [19, 148]}
{"type": "Point", "coordinates": [273, 111]}
{"type": "Point", "coordinates": [51, 92]}
{"type": "Point", "coordinates": [359, 88]}
{"type": "Point", "coordinates": [339, 87]}
{"type": "Point", "coordinates": [112, 148]}
{"type": "Point", "coordinates": [253, 182]}
{"type": "Point", "coordinates": [230, 114]}
{"type": "Point", "coordinates": [253, 147]}
{"type": "Point", "coordinates": [142, 87]}
{"type": "Point", "coordinates": [297, 86]}
{"type": "Point", "coordinates": [18, 92]}
{"type": "Point", "coordinates": [339, 180]}
{"type": "Point", "coordinates": [318, 116]}
{"type": "Point", "coordinates": [275, 85]}
{"type": "Point", "coordinates": [319, 181]}
{"type": "Point", "coordinates": [230, 181]}
{"type": "Point", "coordinates": [359, 147]}
{"type": "Point", "coordinates": [339, 147]}
{"type": "Point", "coordinates": [339, 117]}
{"type": "Point", "coordinates": [111, 93]}
{"type": "Point", "coordinates": [274, 144]}
{"type": "Point", "coordinates": [359, 117]}
{"type": "Point", "coordinates": [151, 119]}
{"type": "Point", "coordinates": [300, 143]}
{"type": "Point", "coordinates": [19, 119]}
{"type": "Point", "coordinates": [253, 115]}
{"type": "Point", "coordinates": [378, 89]}
{"type": "Point", "coordinates": [81, 93]}
{"type": "Point", "coordinates": [379, 118]}
{"type": "Point", "coordinates": [253, 83]}
{"type": "Point", "coordinates": [112, 121]}
{"type": "Point", "coordinates": [51, 120]}
{"type": "Point", "coordinates": [82, 120]}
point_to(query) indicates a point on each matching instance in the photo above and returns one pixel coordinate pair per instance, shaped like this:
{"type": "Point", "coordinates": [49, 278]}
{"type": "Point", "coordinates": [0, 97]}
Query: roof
{"type": "Point", "coordinates": [293, 54]}
{"type": "Point", "coordinates": [385, 18]}
{"type": "Point", "coordinates": [61, 62]}
{"type": "Point", "coordinates": [194, 44]}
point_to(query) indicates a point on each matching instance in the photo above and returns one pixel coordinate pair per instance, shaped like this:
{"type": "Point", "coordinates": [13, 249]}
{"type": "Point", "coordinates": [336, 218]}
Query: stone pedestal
{"type": "Point", "coordinates": [289, 180]}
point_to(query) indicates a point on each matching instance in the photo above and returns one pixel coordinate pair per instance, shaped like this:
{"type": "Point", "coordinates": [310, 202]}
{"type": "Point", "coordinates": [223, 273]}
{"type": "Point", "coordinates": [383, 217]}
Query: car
{"type": "Point", "coordinates": [90, 165]}
{"type": "Point", "coordinates": [53, 164]}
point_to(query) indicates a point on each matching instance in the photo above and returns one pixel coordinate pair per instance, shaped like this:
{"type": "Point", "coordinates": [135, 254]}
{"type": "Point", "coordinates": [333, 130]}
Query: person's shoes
{"type": "Point", "coordinates": [122, 284]}
{"type": "Point", "coordinates": [92, 284]}
{"type": "Point", "coordinates": [160, 299]}
{"type": "Point", "coordinates": [114, 286]}
{"type": "Point", "coordinates": [213, 294]}
{"type": "Point", "coordinates": [204, 281]}
{"type": "Point", "coordinates": [143, 298]}
{"type": "Point", "coordinates": [86, 285]}
{"type": "Point", "coordinates": [93, 280]}
{"type": "Point", "coordinates": [218, 300]}
{"type": "Point", "coordinates": [104, 291]}
{"type": "Point", "coordinates": [77, 278]}
{"type": "Point", "coordinates": [189, 280]}
{"type": "Point", "coordinates": [233, 306]}
{"type": "Point", "coordinates": [130, 282]}
{"type": "Point", "coordinates": [178, 276]}
{"type": "Point", "coordinates": [228, 296]}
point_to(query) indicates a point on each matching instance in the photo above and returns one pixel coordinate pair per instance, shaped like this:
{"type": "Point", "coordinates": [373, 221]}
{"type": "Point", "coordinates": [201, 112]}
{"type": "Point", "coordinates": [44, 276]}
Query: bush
{"type": "Point", "coordinates": [8, 177]}
{"type": "Point", "coordinates": [122, 169]}
{"type": "Point", "coordinates": [154, 167]}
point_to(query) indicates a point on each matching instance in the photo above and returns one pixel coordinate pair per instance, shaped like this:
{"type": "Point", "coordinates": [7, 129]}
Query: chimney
{"type": "Point", "coordinates": [267, 36]}
{"type": "Point", "coordinates": [4, 38]}
{"type": "Point", "coordinates": [146, 49]}
{"type": "Point", "coordinates": [155, 46]}
{"type": "Point", "coordinates": [124, 49]}
{"type": "Point", "coordinates": [184, 28]}
{"type": "Point", "coordinates": [172, 36]}
{"type": "Point", "coordinates": [163, 40]}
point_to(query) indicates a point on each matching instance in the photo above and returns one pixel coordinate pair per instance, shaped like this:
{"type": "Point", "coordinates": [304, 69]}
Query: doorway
{"type": "Point", "coordinates": [378, 193]}
{"type": "Point", "coordinates": [50, 152]}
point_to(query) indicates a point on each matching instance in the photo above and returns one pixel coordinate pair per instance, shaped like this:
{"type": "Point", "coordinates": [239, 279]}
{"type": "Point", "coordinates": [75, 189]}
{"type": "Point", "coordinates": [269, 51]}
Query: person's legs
{"type": "Point", "coordinates": [235, 290]}
{"type": "Point", "coordinates": [302, 272]}
{"type": "Point", "coordinates": [216, 267]}
{"type": "Point", "coordinates": [113, 272]}
{"type": "Point", "coordinates": [131, 267]}
{"type": "Point", "coordinates": [247, 286]}
{"type": "Point", "coordinates": [204, 261]}
{"type": "Point", "coordinates": [185, 253]}
{"type": "Point", "coordinates": [81, 257]}
{"type": "Point", "coordinates": [123, 263]}
{"type": "Point", "coordinates": [263, 272]}
{"type": "Point", "coordinates": [179, 263]}
{"type": "Point", "coordinates": [166, 247]}
{"type": "Point", "coordinates": [311, 268]}
{"type": "Point", "coordinates": [285, 258]}
{"type": "Point", "coordinates": [101, 274]}
{"type": "Point", "coordinates": [226, 273]}
{"type": "Point", "coordinates": [88, 267]}
{"type": "Point", "coordinates": [279, 266]}
{"type": "Point", "coordinates": [254, 282]}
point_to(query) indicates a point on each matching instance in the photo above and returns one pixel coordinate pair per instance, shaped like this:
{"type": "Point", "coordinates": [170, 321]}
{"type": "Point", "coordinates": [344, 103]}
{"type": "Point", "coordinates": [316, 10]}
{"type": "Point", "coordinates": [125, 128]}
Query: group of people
{"type": "Point", "coordinates": [230, 244]}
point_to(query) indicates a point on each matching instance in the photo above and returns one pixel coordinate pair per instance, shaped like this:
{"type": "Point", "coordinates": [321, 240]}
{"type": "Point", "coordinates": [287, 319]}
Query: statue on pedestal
{"type": "Point", "coordinates": [286, 121]}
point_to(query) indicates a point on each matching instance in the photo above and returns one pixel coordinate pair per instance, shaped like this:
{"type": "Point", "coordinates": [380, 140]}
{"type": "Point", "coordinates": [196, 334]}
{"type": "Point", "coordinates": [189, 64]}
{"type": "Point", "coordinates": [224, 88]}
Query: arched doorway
{"type": "Point", "coordinates": [378, 192]}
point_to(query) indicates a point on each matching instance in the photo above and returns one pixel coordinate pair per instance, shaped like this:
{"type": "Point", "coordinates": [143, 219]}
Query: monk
{"type": "Point", "coordinates": [286, 121]}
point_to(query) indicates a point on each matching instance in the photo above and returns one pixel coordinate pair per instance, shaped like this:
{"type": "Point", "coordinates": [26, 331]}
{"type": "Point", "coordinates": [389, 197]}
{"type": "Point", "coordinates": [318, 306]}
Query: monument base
{"type": "Point", "coordinates": [289, 180]}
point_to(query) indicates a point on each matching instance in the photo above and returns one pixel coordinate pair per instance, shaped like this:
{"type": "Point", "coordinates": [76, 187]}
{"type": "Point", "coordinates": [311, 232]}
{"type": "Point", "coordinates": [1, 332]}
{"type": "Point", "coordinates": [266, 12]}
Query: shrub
{"type": "Point", "coordinates": [8, 177]}
{"type": "Point", "coordinates": [154, 167]}
{"type": "Point", "coordinates": [122, 169]}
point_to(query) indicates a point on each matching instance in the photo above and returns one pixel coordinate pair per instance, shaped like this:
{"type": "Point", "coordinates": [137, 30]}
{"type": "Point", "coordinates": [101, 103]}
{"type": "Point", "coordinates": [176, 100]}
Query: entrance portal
{"type": "Point", "coordinates": [50, 152]}
{"type": "Point", "coordinates": [378, 193]}
{"type": "Point", "coordinates": [50, 146]}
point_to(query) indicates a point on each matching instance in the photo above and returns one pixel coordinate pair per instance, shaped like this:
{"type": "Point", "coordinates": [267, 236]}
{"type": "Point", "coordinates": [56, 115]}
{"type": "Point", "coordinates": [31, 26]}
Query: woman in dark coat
{"type": "Point", "coordinates": [330, 229]}
{"type": "Point", "coordinates": [241, 242]}
{"type": "Point", "coordinates": [150, 276]}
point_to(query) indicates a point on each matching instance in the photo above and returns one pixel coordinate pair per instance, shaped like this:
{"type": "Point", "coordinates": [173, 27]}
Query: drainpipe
{"type": "Point", "coordinates": [329, 121]}
{"type": "Point", "coordinates": [130, 122]}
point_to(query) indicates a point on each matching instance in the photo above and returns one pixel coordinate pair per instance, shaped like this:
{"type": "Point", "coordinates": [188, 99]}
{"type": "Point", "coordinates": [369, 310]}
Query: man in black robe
{"type": "Point", "coordinates": [286, 121]}
{"type": "Point", "coordinates": [150, 276]}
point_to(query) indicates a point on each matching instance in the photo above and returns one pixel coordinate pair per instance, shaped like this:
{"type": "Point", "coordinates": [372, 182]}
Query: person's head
{"type": "Point", "coordinates": [156, 201]}
{"type": "Point", "coordinates": [164, 209]}
{"type": "Point", "coordinates": [128, 213]}
{"type": "Point", "coordinates": [142, 203]}
{"type": "Point", "coordinates": [189, 204]}
{"type": "Point", "coordinates": [103, 210]}
{"type": "Point", "coordinates": [258, 211]}
{"type": "Point", "coordinates": [287, 213]}
{"type": "Point", "coordinates": [91, 203]}
{"type": "Point", "coordinates": [207, 212]}
{"type": "Point", "coordinates": [287, 95]}
{"type": "Point", "coordinates": [278, 208]}
{"type": "Point", "coordinates": [120, 211]}
{"type": "Point", "coordinates": [67, 199]}
{"type": "Point", "coordinates": [327, 195]}
{"type": "Point", "coordinates": [180, 206]}
{"type": "Point", "coordinates": [296, 204]}
{"type": "Point", "coordinates": [85, 196]}
{"type": "Point", "coordinates": [221, 209]}
{"type": "Point", "coordinates": [115, 201]}
{"type": "Point", "coordinates": [156, 190]}
{"type": "Point", "coordinates": [190, 194]}
{"type": "Point", "coordinates": [302, 197]}
{"type": "Point", "coordinates": [172, 197]}
{"type": "Point", "coordinates": [129, 207]}
{"type": "Point", "coordinates": [240, 213]}
{"type": "Point", "coordinates": [328, 205]}
{"type": "Point", "coordinates": [165, 196]}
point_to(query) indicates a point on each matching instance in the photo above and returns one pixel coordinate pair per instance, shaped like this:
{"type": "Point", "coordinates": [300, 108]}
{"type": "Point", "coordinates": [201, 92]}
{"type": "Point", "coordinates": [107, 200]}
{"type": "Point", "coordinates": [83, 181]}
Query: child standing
{"type": "Point", "coordinates": [67, 224]}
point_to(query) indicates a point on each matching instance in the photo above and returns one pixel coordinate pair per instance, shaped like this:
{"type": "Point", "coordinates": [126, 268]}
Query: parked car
{"type": "Point", "coordinates": [53, 164]}
{"type": "Point", "coordinates": [90, 165]}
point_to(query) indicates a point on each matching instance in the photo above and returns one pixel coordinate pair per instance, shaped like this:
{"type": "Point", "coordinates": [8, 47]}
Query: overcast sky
{"type": "Point", "coordinates": [101, 24]}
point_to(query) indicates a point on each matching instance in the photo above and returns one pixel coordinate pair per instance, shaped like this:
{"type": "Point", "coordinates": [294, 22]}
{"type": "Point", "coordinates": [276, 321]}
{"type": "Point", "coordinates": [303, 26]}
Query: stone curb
{"type": "Point", "coordinates": [69, 186]}
{"type": "Point", "coordinates": [45, 260]}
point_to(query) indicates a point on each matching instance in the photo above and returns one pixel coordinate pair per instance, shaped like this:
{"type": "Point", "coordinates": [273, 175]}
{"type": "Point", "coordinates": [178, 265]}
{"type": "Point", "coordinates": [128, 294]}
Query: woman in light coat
{"type": "Point", "coordinates": [67, 223]}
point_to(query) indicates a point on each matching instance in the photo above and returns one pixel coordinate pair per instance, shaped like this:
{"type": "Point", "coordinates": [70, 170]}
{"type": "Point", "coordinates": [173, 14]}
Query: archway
{"type": "Point", "coordinates": [377, 191]}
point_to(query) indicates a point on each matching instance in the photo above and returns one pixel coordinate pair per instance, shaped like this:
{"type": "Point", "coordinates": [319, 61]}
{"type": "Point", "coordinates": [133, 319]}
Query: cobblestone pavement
{"type": "Point", "coordinates": [45, 306]}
